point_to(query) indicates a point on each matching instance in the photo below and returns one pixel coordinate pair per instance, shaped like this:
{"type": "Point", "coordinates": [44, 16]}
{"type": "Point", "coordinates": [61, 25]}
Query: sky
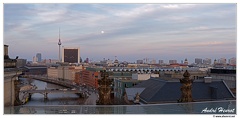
{"type": "Point", "coordinates": [128, 31]}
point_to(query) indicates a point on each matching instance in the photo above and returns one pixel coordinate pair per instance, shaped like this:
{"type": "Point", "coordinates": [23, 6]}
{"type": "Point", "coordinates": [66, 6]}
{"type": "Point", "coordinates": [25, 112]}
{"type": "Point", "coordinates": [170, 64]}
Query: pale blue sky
{"type": "Point", "coordinates": [131, 31]}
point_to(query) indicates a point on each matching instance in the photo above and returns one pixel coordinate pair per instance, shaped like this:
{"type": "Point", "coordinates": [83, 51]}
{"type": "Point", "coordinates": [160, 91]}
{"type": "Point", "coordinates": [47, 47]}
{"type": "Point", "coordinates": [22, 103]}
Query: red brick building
{"type": "Point", "coordinates": [88, 77]}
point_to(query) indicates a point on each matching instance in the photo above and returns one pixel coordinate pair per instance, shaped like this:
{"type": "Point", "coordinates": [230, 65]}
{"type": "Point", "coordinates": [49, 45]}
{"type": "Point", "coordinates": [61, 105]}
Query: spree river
{"type": "Point", "coordinates": [53, 98]}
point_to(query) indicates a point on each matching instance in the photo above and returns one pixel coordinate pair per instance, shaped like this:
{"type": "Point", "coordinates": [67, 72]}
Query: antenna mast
{"type": "Point", "coordinates": [59, 44]}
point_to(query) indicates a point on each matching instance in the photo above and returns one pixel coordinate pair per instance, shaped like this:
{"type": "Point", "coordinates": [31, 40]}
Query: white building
{"type": "Point", "coordinates": [34, 59]}
{"type": "Point", "coordinates": [143, 76]}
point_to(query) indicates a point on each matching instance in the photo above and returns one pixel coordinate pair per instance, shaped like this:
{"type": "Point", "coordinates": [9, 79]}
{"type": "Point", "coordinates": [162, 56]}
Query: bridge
{"type": "Point", "coordinates": [47, 91]}
{"type": "Point", "coordinates": [80, 90]}
{"type": "Point", "coordinates": [54, 81]}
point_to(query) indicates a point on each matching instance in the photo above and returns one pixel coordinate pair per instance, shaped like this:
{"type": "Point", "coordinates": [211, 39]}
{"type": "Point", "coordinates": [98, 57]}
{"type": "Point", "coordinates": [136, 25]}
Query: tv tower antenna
{"type": "Point", "coordinates": [59, 44]}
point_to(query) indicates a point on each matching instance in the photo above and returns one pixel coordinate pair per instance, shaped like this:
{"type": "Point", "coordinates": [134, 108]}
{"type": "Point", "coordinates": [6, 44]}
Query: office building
{"type": "Point", "coordinates": [139, 61]}
{"type": "Point", "coordinates": [207, 61]}
{"type": "Point", "coordinates": [39, 57]}
{"type": "Point", "coordinates": [71, 55]}
{"type": "Point", "coordinates": [232, 61]}
{"type": "Point", "coordinates": [222, 61]}
{"type": "Point", "coordinates": [153, 61]}
{"type": "Point", "coordinates": [172, 61]}
{"type": "Point", "coordinates": [89, 77]}
{"type": "Point", "coordinates": [198, 60]}
{"type": "Point", "coordinates": [161, 62]}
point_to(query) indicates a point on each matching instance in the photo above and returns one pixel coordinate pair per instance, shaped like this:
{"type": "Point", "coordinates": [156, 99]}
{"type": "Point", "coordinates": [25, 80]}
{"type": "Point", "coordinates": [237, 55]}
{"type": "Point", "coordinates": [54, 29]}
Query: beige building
{"type": "Point", "coordinates": [52, 72]}
{"type": "Point", "coordinates": [143, 76]}
{"type": "Point", "coordinates": [10, 79]}
{"type": "Point", "coordinates": [63, 72]}
{"type": "Point", "coordinates": [11, 74]}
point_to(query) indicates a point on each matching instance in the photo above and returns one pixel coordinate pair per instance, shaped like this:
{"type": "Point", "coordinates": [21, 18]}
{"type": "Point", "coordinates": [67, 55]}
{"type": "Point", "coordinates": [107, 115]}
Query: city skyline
{"type": "Point", "coordinates": [128, 31]}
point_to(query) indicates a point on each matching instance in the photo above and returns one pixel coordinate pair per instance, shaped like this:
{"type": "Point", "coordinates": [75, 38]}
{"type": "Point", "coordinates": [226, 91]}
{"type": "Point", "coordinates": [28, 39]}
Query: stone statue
{"type": "Point", "coordinates": [186, 88]}
{"type": "Point", "coordinates": [104, 89]}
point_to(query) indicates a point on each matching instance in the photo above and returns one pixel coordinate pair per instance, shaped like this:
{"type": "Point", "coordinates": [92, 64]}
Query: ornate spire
{"type": "Point", "coordinates": [186, 88]}
{"type": "Point", "coordinates": [104, 89]}
{"type": "Point", "coordinates": [186, 75]}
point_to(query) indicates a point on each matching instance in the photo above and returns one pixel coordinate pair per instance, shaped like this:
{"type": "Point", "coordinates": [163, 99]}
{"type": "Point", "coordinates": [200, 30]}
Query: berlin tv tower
{"type": "Point", "coordinates": [59, 44]}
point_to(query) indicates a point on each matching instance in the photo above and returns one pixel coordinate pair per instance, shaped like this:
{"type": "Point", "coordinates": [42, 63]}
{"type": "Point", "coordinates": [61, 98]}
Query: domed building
{"type": "Point", "coordinates": [186, 61]}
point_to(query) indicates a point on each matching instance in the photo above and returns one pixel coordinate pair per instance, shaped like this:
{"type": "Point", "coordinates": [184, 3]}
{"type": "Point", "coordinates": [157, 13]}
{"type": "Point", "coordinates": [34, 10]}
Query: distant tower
{"type": "Point", "coordinates": [39, 57]}
{"type": "Point", "coordinates": [59, 44]}
{"type": "Point", "coordinates": [186, 88]}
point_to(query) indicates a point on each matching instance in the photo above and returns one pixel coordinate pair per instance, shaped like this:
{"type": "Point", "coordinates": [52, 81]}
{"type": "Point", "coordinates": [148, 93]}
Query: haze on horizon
{"type": "Point", "coordinates": [128, 31]}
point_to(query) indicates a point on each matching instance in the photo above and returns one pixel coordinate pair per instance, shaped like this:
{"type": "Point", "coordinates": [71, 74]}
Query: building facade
{"type": "Point", "coordinates": [67, 73]}
{"type": "Point", "coordinates": [89, 77]}
{"type": "Point", "coordinates": [139, 61]}
{"type": "Point", "coordinates": [172, 61]}
{"type": "Point", "coordinates": [222, 61]}
{"type": "Point", "coordinates": [21, 62]}
{"type": "Point", "coordinates": [198, 60]}
{"type": "Point", "coordinates": [11, 74]}
{"type": "Point", "coordinates": [71, 55]}
{"type": "Point", "coordinates": [232, 61]}
{"type": "Point", "coordinates": [137, 76]}
{"type": "Point", "coordinates": [120, 85]}
{"type": "Point", "coordinates": [207, 61]}
{"type": "Point", "coordinates": [39, 57]}
{"type": "Point", "coordinates": [161, 62]}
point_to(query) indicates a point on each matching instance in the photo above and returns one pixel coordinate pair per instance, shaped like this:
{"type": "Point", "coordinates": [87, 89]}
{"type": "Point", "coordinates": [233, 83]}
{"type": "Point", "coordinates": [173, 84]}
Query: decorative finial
{"type": "Point", "coordinates": [186, 74]}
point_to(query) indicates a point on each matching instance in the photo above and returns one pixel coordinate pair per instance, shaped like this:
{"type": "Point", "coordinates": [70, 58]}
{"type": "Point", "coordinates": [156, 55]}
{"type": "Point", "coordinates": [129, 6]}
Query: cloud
{"type": "Point", "coordinates": [149, 27]}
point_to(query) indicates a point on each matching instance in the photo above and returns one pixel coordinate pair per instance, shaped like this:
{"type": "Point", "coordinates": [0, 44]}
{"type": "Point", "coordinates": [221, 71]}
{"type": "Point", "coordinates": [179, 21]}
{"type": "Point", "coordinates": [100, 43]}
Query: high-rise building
{"type": "Point", "coordinates": [34, 59]}
{"type": "Point", "coordinates": [198, 60]}
{"type": "Point", "coordinates": [232, 61]}
{"type": "Point", "coordinates": [139, 61]}
{"type": "Point", "coordinates": [153, 61]}
{"type": "Point", "coordinates": [207, 61]}
{"type": "Point", "coordinates": [172, 61]}
{"type": "Point", "coordinates": [222, 61]}
{"type": "Point", "coordinates": [71, 55]}
{"type": "Point", "coordinates": [161, 62]}
{"type": "Point", "coordinates": [39, 57]}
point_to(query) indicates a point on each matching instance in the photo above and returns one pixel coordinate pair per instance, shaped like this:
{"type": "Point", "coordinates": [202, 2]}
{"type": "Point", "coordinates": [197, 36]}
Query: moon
{"type": "Point", "coordinates": [102, 32]}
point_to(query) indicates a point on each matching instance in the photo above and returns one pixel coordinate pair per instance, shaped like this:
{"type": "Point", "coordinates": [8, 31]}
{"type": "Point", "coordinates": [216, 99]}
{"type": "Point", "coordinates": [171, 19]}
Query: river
{"type": "Point", "coordinates": [53, 98]}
